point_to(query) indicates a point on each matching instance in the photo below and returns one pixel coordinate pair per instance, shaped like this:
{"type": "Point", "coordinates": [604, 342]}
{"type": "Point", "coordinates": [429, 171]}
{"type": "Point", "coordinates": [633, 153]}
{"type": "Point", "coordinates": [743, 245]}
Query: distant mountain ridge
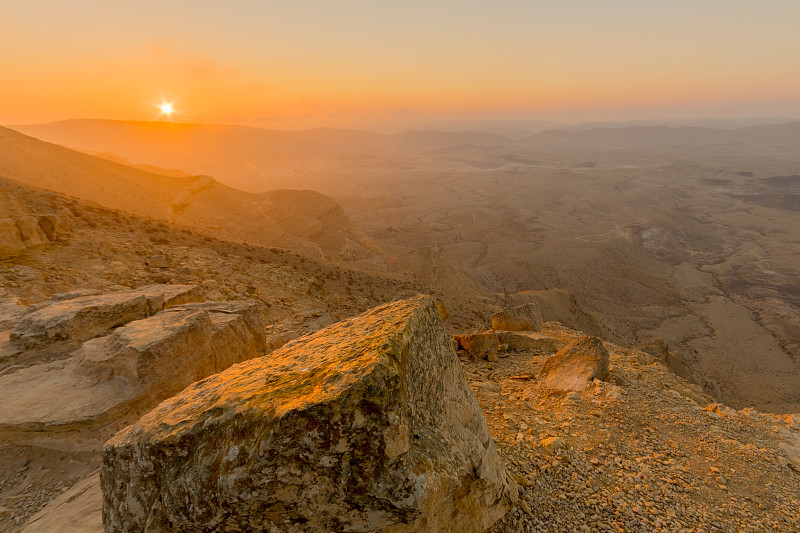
{"type": "Point", "coordinates": [242, 156]}
{"type": "Point", "coordinates": [198, 201]}
{"type": "Point", "coordinates": [257, 160]}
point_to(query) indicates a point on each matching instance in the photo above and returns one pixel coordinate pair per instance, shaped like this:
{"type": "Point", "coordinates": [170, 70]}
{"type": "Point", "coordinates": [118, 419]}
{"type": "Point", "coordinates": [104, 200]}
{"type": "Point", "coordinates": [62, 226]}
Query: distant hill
{"type": "Point", "coordinates": [638, 137]}
{"type": "Point", "coordinates": [258, 160]}
{"type": "Point", "coordinates": [248, 158]}
{"type": "Point", "coordinates": [312, 223]}
{"type": "Point", "coordinates": [142, 166]}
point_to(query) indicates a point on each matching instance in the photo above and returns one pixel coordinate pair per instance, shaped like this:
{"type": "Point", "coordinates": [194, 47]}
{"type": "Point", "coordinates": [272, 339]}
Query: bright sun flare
{"type": "Point", "coordinates": [166, 109]}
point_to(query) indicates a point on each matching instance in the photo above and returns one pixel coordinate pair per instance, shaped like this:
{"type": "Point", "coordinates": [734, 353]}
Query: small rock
{"type": "Point", "coordinates": [553, 443]}
{"type": "Point", "coordinates": [575, 365]}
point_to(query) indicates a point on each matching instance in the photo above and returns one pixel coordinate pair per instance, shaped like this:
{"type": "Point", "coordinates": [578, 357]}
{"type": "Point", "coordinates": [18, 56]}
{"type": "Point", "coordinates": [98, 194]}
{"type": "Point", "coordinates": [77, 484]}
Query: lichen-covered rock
{"type": "Point", "coordinates": [525, 317]}
{"type": "Point", "coordinates": [575, 365]}
{"type": "Point", "coordinates": [368, 425]}
{"type": "Point", "coordinates": [524, 341]}
{"type": "Point", "coordinates": [482, 345]}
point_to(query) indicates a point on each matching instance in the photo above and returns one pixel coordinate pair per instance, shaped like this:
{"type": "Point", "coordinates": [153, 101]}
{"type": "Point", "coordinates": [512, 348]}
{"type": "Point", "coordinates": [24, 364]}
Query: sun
{"type": "Point", "coordinates": [166, 109]}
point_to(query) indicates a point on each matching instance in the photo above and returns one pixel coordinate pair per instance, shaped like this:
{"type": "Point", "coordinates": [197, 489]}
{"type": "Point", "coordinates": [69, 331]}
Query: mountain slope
{"type": "Point", "coordinates": [196, 201]}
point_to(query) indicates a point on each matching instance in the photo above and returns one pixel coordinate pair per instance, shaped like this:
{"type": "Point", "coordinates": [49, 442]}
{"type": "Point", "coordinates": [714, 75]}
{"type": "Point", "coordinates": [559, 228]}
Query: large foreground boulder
{"type": "Point", "coordinates": [367, 425]}
{"type": "Point", "coordinates": [525, 317]}
{"type": "Point", "coordinates": [575, 365]}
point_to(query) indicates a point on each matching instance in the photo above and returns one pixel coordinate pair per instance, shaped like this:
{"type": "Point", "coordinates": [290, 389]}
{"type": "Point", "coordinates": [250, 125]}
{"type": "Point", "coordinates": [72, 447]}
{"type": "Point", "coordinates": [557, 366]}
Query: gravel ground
{"type": "Point", "coordinates": [645, 451]}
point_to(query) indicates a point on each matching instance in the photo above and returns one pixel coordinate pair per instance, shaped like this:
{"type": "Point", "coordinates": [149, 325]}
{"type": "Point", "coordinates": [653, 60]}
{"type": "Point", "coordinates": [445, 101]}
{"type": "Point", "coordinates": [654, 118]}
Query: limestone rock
{"type": "Point", "coordinates": [82, 318]}
{"type": "Point", "coordinates": [163, 296]}
{"type": "Point", "coordinates": [483, 345]}
{"type": "Point", "coordinates": [523, 341]}
{"type": "Point", "coordinates": [367, 425]}
{"type": "Point", "coordinates": [132, 368]}
{"type": "Point", "coordinates": [525, 317]}
{"type": "Point", "coordinates": [237, 330]}
{"type": "Point", "coordinates": [575, 365]}
{"type": "Point", "coordinates": [77, 293]}
{"type": "Point", "coordinates": [21, 230]}
{"type": "Point", "coordinates": [10, 312]}
{"type": "Point", "coordinates": [78, 319]}
{"type": "Point", "coordinates": [149, 347]}
{"type": "Point", "coordinates": [11, 244]}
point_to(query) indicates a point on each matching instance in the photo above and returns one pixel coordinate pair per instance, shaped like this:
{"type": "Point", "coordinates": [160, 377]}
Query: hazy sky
{"type": "Point", "coordinates": [283, 64]}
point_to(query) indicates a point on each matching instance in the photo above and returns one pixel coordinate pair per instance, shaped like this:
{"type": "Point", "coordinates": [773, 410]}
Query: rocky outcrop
{"type": "Point", "coordinates": [19, 233]}
{"type": "Point", "coordinates": [130, 368]}
{"type": "Point", "coordinates": [483, 345]}
{"type": "Point", "coordinates": [368, 425]}
{"type": "Point", "coordinates": [529, 341]}
{"type": "Point", "coordinates": [575, 365]}
{"type": "Point", "coordinates": [525, 317]}
{"type": "Point", "coordinates": [20, 230]}
{"type": "Point", "coordinates": [11, 310]}
{"type": "Point", "coordinates": [84, 317]}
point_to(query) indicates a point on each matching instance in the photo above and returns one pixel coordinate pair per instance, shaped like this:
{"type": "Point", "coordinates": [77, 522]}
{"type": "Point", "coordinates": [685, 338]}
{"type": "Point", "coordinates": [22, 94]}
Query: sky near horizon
{"type": "Point", "coordinates": [289, 64]}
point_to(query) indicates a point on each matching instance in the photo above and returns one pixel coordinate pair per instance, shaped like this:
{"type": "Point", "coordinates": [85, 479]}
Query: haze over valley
{"type": "Point", "coordinates": [683, 234]}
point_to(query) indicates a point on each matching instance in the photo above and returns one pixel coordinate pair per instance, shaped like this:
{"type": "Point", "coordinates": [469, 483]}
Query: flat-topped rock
{"type": "Point", "coordinates": [367, 425]}
{"type": "Point", "coordinates": [525, 317]}
{"type": "Point", "coordinates": [529, 341]}
{"type": "Point", "coordinates": [162, 296]}
{"type": "Point", "coordinates": [84, 317]}
{"type": "Point", "coordinates": [135, 366]}
{"type": "Point", "coordinates": [575, 365]}
{"type": "Point", "coordinates": [483, 344]}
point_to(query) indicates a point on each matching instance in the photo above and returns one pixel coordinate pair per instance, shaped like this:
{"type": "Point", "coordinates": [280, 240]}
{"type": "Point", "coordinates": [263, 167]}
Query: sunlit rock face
{"type": "Point", "coordinates": [367, 425]}
{"type": "Point", "coordinates": [85, 365]}
{"type": "Point", "coordinates": [575, 365]}
{"type": "Point", "coordinates": [20, 229]}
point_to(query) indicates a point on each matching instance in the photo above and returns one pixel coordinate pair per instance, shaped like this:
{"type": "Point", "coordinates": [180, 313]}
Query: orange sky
{"type": "Point", "coordinates": [374, 63]}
